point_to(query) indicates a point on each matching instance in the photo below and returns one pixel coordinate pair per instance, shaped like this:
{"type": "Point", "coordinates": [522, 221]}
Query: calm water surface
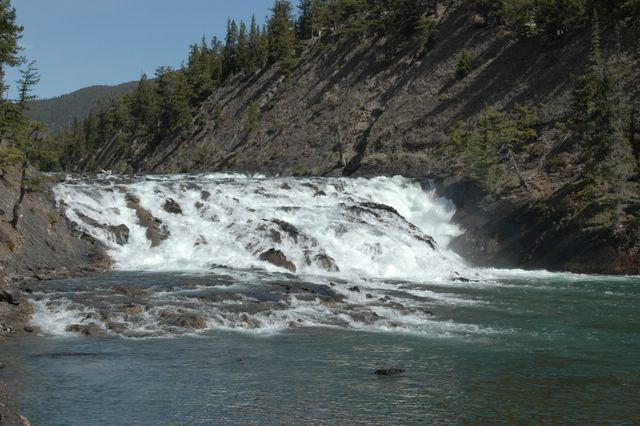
{"type": "Point", "coordinates": [527, 349]}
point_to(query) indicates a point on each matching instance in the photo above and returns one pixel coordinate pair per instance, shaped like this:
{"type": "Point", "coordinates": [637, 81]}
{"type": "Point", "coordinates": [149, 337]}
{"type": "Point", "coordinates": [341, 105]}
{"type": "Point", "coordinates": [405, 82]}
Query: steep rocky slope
{"type": "Point", "coordinates": [361, 106]}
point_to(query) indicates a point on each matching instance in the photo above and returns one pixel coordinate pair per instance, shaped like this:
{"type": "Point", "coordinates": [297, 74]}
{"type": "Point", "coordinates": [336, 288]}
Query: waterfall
{"type": "Point", "coordinates": [201, 252]}
{"type": "Point", "coordinates": [384, 227]}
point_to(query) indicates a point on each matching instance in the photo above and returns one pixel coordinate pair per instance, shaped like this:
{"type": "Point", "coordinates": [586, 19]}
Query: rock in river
{"type": "Point", "coordinates": [391, 371]}
{"type": "Point", "coordinates": [171, 206]}
{"type": "Point", "coordinates": [12, 296]}
{"type": "Point", "coordinates": [276, 257]}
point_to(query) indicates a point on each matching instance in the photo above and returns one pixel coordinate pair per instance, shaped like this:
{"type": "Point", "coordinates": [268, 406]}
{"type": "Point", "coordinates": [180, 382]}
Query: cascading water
{"type": "Point", "coordinates": [368, 228]}
{"type": "Point", "coordinates": [233, 251]}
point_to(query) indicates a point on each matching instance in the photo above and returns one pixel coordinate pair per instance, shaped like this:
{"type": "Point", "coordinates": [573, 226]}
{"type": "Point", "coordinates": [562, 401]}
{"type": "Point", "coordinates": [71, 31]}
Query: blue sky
{"type": "Point", "coordinates": [79, 43]}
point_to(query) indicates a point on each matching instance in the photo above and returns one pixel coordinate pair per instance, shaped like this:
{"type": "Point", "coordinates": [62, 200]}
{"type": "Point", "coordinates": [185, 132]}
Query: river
{"type": "Point", "coordinates": [250, 300]}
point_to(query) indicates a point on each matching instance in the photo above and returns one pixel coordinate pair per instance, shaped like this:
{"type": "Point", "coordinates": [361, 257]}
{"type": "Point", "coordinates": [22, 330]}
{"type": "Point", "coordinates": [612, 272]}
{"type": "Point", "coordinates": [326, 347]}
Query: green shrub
{"type": "Point", "coordinates": [424, 32]}
{"type": "Point", "coordinates": [11, 158]}
{"type": "Point", "coordinates": [480, 142]}
{"type": "Point", "coordinates": [466, 64]}
{"type": "Point", "coordinates": [253, 117]}
{"type": "Point", "coordinates": [301, 170]}
{"type": "Point", "coordinates": [35, 183]}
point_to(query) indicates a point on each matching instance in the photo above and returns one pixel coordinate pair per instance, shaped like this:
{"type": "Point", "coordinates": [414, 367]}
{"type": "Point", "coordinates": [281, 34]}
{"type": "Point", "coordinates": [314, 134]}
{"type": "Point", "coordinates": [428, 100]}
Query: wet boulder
{"type": "Point", "coordinates": [116, 327]}
{"type": "Point", "coordinates": [11, 296]}
{"type": "Point", "coordinates": [133, 201]}
{"type": "Point", "coordinates": [91, 329]}
{"type": "Point", "coordinates": [156, 231]}
{"type": "Point", "coordinates": [171, 206]}
{"type": "Point", "coordinates": [326, 262]}
{"type": "Point", "coordinates": [288, 229]}
{"type": "Point", "coordinates": [184, 320]}
{"type": "Point", "coordinates": [277, 258]}
{"type": "Point", "coordinates": [426, 239]}
{"type": "Point", "coordinates": [120, 234]}
{"type": "Point", "coordinates": [380, 207]}
{"type": "Point", "coordinates": [131, 308]}
{"type": "Point", "coordinates": [191, 322]}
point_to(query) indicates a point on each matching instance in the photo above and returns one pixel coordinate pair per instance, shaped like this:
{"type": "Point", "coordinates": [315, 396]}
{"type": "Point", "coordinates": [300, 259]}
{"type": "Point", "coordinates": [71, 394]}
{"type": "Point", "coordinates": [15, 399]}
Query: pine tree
{"type": "Point", "coordinates": [91, 131]}
{"type": "Point", "coordinates": [622, 162]}
{"type": "Point", "coordinates": [229, 53]}
{"type": "Point", "coordinates": [557, 17]}
{"type": "Point", "coordinates": [253, 57]}
{"type": "Point", "coordinates": [10, 35]}
{"type": "Point", "coordinates": [144, 109]}
{"type": "Point", "coordinates": [304, 24]}
{"type": "Point", "coordinates": [12, 122]}
{"type": "Point", "coordinates": [173, 96]}
{"type": "Point", "coordinates": [198, 72]}
{"type": "Point", "coordinates": [215, 61]}
{"type": "Point", "coordinates": [404, 16]}
{"type": "Point", "coordinates": [243, 48]}
{"type": "Point", "coordinates": [29, 78]}
{"type": "Point", "coordinates": [520, 16]}
{"type": "Point", "coordinates": [280, 34]}
{"type": "Point", "coordinates": [591, 111]}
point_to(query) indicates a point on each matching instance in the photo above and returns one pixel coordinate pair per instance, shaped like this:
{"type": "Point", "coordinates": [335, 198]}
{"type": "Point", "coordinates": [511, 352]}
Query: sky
{"type": "Point", "coordinates": [80, 43]}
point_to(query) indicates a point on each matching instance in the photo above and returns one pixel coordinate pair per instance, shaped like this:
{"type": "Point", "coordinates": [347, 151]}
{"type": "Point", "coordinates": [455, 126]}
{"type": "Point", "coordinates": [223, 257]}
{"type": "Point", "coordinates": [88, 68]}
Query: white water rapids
{"type": "Point", "coordinates": [229, 220]}
{"type": "Point", "coordinates": [199, 252]}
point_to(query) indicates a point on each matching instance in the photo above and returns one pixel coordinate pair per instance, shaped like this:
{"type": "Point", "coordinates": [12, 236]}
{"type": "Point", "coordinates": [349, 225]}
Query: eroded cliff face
{"type": "Point", "coordinates": [364, 107]}
{"type": "Point", "coordinates": [41, 242]}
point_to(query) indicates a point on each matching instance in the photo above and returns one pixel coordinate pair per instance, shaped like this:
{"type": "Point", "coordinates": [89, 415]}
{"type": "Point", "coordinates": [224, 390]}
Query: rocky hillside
{"type": "Point", "coordinates": [364, 106]}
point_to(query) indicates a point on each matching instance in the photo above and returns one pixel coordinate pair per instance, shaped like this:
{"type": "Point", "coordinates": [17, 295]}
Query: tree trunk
{"type": "Point", "coordinates": [18, 203]}
{"type": "Point", "coordinates": [516, 169]}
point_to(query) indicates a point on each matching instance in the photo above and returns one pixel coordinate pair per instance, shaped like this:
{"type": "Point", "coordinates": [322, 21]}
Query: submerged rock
{"type": "Point", "coordinates": [131, 309]}
{"type": "Point", "coordinates": [91, 329]}
{"type": "Point", "coordinates": [277, 258]}
{"type": "Point", "coordinates": [187, 321]}
{"type": "Point", "coordinates": [391, 371]}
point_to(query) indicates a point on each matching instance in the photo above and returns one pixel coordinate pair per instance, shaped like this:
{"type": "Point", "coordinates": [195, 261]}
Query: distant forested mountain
{"type": "Point", "coordinates": [60, 111]}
